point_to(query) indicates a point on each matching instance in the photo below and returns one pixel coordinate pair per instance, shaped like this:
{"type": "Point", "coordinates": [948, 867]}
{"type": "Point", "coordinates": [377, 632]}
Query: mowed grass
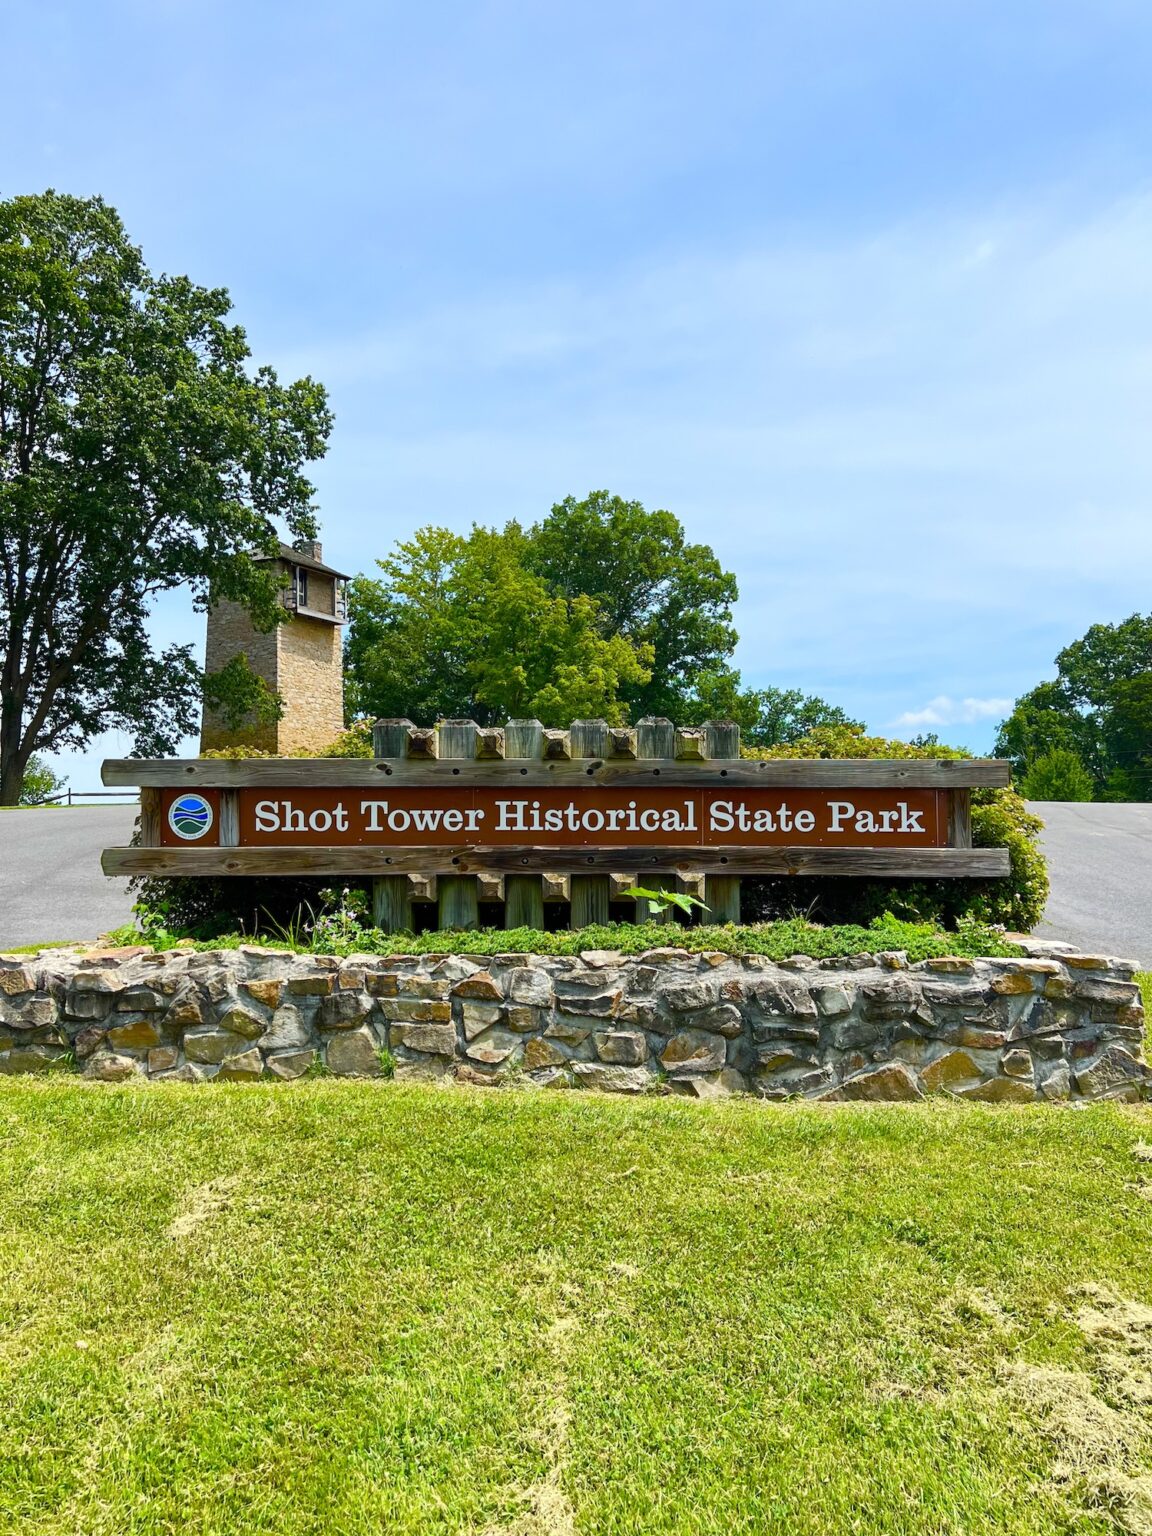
{"type": "Point", "coordinates": [369, 1307]}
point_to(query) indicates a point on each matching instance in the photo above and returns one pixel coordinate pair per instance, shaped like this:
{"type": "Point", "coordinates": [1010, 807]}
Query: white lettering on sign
{"type": "Point", "coordinates": [283, 816]}
{"type": "Point", "coordinates": [594, 819]}
{"type": "Point", "coordinates": [529, 816]}
{"type": "Point", "coordinates": [844, 812]}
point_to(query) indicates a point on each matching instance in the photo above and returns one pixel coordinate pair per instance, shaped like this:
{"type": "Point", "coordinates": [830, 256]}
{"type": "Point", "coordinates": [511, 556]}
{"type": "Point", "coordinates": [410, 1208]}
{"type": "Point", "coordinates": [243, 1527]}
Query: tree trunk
{"type": "Point", "coordinates": [14, 754]}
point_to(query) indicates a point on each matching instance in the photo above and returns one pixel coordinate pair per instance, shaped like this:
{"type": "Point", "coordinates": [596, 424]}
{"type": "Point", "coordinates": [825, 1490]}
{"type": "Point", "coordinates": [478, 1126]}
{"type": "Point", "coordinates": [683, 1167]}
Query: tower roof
{"type": "Point", "coordinates": [305, 557]}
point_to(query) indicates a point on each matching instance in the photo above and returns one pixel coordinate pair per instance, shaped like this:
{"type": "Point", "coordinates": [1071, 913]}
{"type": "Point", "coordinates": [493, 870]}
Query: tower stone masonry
{"type": "Point", "coordinates": [301, 659]}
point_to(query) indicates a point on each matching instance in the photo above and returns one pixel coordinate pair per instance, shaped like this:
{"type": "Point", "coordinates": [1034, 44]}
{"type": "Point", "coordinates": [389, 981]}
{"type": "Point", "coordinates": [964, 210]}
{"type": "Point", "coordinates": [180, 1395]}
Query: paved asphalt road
{"type": "Point", "coordinates": [51, 888]}
{"type": "Point", "coordinates": [1100, 864]}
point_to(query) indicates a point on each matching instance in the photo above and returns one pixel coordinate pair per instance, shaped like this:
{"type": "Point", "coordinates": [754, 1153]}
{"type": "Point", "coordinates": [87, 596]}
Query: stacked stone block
{"type": "Point", "coordinates": [1055, 1028]}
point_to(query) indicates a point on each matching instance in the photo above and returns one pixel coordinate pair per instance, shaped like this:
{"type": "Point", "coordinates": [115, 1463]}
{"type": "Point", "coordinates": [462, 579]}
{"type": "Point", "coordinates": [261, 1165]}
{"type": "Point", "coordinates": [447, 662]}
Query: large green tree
{"type": "Point", "coordinates": [1099, 707]}
{"type": "Point", "coordinates": [459, 626]}
{"type": "Point", "coordinates": [138, 453]}
{"type": "Point", "coordinates": [651, 585]}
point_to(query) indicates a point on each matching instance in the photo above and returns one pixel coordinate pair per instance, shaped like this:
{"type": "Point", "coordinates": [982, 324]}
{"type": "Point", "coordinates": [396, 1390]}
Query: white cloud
{"type": "Point", "coordinates": [943, 710]}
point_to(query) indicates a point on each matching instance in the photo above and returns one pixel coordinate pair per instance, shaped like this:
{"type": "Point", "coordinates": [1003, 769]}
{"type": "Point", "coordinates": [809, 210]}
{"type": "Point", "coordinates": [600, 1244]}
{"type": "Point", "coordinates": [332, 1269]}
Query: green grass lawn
{"type": "Point", "coordinates": [355, 1308]}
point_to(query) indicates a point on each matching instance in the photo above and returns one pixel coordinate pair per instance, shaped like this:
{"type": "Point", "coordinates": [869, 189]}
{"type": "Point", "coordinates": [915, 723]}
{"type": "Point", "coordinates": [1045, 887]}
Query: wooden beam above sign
{"type": "Point", "coordinates": [507, 773]}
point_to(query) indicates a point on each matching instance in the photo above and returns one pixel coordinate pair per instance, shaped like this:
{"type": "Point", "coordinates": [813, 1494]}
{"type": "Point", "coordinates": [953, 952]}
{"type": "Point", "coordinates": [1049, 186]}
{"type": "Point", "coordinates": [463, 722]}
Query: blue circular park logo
{"type": "Point", "coordinates": [190, 817]}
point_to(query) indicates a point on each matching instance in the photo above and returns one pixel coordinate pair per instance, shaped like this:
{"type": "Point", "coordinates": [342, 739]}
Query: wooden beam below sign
{"type": "Point", "coordinates": [870, 863]}
{"type": "Point", "coordinates": [568, 772]}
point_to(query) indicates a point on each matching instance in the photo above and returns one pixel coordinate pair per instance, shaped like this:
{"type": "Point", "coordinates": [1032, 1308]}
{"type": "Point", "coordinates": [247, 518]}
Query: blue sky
{"type": "Point", "coordinates": [861, 292]}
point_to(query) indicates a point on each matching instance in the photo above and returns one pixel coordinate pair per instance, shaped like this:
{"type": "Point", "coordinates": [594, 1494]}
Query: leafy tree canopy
{"type": "Point", "coordinates": [1099, 708]}
{"type": "Point", "coordinates": [40, 782]}
{"type": "Point", "coordinates": [650, 585]}
{"type": "Point", "coordinates": [460, 626]}
{"type": "Point", "coordinates": [137, 454]}
{"type": "Point", "coordinates": [600, 609]}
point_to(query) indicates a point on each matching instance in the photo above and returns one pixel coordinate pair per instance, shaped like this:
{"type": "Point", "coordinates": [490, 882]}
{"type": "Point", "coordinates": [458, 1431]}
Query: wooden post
{"type": "Point", "coordinates": [655, 738]}
{"type": "Point", "coordinates": [459, 895]}
{"type": "Point", "coordinates": [722, 892]}
{"type": "Point", "coordinates": [391, 894]}
{"type": "Point", "coordinates": [960, 818]}
{"type": "Point", "coordinates": [149, 817]}
{"type": "Point", "coordinates": [523, 739]}
{"type": "Point", "coordinates": [390, 738]}
{"type": "Point", "coordinates": [523, 901]}
{"type": "Point", "coordinates": [229, 818]}
{"type": "Point", "coordinates": [392, 903]}
{"type": "Point", "coordinates": [590, 893]}
{"type": "Point", "coordinates": [524, 894]}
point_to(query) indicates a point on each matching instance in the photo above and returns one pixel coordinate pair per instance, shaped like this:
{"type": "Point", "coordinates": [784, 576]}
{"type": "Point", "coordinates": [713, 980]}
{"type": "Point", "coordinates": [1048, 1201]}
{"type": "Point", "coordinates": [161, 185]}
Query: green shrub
{"type": "Point", "coordinates": [1000, 819]}
{"type": "Point", "coordinates": [1057, 775]}
{"type": "Point", "coordinates": [40, 783]}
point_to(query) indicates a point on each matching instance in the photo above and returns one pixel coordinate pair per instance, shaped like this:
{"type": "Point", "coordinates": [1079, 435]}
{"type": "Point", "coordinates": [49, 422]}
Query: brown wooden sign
{"type": "Point", "coordinates": [526, 815]}
{"type": "Point", "coordinates": [577, 816]}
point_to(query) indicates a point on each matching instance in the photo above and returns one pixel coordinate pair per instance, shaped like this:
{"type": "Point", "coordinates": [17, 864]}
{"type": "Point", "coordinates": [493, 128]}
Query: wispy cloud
{"type": "Point", "coordinates": [943, 710]}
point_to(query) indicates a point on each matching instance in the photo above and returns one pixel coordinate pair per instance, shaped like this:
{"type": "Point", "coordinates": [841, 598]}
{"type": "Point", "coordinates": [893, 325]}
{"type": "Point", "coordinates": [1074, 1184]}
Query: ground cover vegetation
{"type": "Point", "coordinates": [340, 923]}
{"type": "Point", "coordinates": [1087, 734]}
{"type": "Point", "coordinates": [382, 1306]}
{"type": "Point", "coordinates": [139, 452]}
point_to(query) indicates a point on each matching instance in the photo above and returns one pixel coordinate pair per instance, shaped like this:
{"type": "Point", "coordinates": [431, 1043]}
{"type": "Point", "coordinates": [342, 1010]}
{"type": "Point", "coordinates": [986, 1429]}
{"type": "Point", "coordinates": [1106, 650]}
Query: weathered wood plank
{"type": "Point", "coordinates": [392, 903]}
{"type": "Point", "coordinates": [458, 895]}
{"type": "Point", "coordinates": [655, 738]}
{"type": "Point", "coordinates": [390, 737]}
{"type": "Point", "coordinates": [960, 818]}
{"type": "Point", "coordinates": [458, 739]}
{"type": "Point", "coordinates": [590, 897]}
{"type": "Point", "coordinates": [912, 863]}
{"type": "Point", "coordinates": [458, 901]}
{"type": "Point", "coordinates": [422, 743]}
{"type": "Point", "coordinates": [350, 772]}
{"type": "Point", "coordinates": [691, 746]}
{"type": "Point", "coordinates": [229, 818]}
{"type": "Point", "coordinates": [523, 901]}
{"type": "Point", "coordinates": [588, 738]}
{"type": "Point", "coordinates": [149, 818]}
{"type": "Point", "coordinates": [523, 739]}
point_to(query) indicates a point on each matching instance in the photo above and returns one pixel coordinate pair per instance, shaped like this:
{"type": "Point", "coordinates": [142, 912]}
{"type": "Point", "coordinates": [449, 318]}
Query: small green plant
{"type": "Point", "coordinates": [342, 920]}
{"type": "Point", "coordinates": [660, 901]}
{"type": "Point", "coordinates": [387, 1062]}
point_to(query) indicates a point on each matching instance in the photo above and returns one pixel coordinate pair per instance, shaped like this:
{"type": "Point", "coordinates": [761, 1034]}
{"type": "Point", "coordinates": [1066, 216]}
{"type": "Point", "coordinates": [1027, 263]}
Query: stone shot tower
{"type": "Point", "coordinates": [300, 659]}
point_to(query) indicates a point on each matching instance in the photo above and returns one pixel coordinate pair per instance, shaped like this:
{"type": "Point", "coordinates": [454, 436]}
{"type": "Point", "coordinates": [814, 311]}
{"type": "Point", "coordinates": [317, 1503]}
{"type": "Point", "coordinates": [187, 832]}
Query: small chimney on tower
{"type": "Point", "coordinates": [310, 547]}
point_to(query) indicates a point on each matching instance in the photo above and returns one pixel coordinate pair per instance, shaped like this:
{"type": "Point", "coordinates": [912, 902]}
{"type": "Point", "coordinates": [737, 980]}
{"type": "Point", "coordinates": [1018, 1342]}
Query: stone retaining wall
{"type": "Point", "coordinates": [1050, 1027]}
